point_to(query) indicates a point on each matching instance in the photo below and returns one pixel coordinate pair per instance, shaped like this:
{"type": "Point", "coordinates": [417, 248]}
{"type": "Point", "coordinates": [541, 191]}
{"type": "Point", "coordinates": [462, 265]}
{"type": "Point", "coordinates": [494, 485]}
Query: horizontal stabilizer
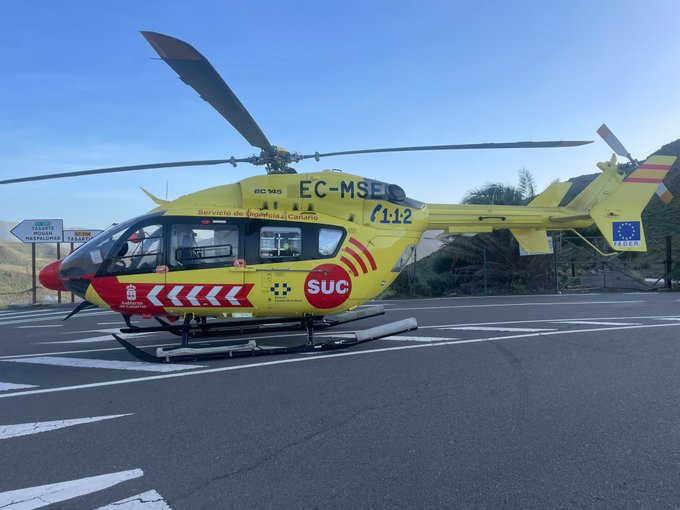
{"type": "Point", "coordinates": [533, 240]}
{"type": "Point", "coordinates": [552, 195]}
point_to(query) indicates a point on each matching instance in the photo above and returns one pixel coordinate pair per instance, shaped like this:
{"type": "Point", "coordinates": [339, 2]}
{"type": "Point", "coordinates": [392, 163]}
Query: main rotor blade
{"type": "Point", "coordinates": [124, 169]}
{"type": "Point", "coordinates": [195, 70]}
{"type": "Point", "coordinates": [505, 145]}
{"type": "Point", "coordinates": [613, 142]}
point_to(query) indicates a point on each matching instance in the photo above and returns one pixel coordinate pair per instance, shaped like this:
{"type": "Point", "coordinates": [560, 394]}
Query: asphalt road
{"type": "Point", "coordinates": [561, 401]}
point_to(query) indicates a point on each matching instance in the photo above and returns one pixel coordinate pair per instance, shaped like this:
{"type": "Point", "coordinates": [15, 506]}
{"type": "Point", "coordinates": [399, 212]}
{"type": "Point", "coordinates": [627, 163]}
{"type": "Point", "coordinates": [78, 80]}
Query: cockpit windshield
{"type": "Point", "coordinates": [87, 258]}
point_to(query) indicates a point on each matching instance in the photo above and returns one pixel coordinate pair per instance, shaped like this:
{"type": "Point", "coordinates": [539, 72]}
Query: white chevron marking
{"type": "Point", "coordinates": [43, 495]}
{"type": "Point", "coordinates": [230, 295]}
{"type": "Point", "coordinates": [173, 295]}
{"type": "Point", "coordinates": [23, 429]}
{"type": "Point", "coordinates": [211, 295]}
{"type": "Point", "coordinates": [192, 295]}
{"type": "Point", "coordinates": [149, 500]}
{"type": "Point", "coordinates": [151, 296]}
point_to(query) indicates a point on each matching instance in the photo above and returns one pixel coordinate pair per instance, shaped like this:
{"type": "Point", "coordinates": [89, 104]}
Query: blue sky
{"type": "Point", "coordinates": [78, 90]}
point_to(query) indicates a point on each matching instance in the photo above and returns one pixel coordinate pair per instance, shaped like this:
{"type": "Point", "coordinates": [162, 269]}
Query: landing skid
{"type": "Point", "coordinates": [187, 351]}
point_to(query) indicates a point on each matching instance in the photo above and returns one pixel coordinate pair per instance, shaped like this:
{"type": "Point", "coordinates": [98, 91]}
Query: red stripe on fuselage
{"type": "Point", "coordinates": [351, 267]}
{"type": "Point", "coordinates": [357, 258]}
{"type": "Point", "coordinates": [365, 252]}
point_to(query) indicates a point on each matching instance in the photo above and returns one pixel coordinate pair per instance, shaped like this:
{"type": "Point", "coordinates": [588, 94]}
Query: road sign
{"type": "Point", "coordinates": [523, 252]}
{"type": "Point", "coordinates": [39, 231]}
{"type": "Point", "coordinates": [80, 235]}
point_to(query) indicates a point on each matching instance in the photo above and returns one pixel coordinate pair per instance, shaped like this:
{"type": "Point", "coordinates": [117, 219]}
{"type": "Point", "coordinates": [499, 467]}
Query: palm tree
{"type": "Point", "coordinates": [497, 193]}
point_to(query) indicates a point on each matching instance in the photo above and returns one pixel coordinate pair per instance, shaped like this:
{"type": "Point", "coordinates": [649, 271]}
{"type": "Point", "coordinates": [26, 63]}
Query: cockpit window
{"type": "Point", "coordinates": [87, 259]}
{"type": "Point", "coordinates": [278, 242]}
{"type": "Point", "coordinates": [328, 240]}
{"type": "Point", "coordinates": [195, 245]}
{"type": "Point", "coordinates": [141, 252]}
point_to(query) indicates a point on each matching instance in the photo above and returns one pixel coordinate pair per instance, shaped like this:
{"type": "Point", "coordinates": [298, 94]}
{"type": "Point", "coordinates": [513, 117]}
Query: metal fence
{"type": "Point", "coordinates": [492, 264]}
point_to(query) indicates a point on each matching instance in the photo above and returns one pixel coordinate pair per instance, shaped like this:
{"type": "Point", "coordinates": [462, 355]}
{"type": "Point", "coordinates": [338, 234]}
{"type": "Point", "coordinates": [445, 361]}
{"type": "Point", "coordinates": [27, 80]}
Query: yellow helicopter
{"type": "Point", "coordinates": [288, 250]}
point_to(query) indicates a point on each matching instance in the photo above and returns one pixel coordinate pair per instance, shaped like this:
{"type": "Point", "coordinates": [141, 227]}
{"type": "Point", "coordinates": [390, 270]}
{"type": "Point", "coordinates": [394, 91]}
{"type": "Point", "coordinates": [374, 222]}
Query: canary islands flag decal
{"type": "Point", "coordinates": [626, 233]}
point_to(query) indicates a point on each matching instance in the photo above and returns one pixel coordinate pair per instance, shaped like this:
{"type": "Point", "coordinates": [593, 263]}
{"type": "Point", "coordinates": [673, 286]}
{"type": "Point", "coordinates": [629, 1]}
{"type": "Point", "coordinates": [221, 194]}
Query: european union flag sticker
{"type": "Point", "coordinates": [626, 234]}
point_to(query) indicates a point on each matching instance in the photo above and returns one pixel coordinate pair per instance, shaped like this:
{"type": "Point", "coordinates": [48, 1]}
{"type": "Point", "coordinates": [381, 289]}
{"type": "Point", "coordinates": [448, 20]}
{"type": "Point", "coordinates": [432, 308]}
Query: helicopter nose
{"type": "Point", "coordinates": [49, 276]}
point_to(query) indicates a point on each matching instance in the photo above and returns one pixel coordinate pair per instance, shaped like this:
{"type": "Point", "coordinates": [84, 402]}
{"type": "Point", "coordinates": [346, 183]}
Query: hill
{"type": "Point", "coordinates": [15, 270]}
{"type": "Point", "coordinates": [5, 227]}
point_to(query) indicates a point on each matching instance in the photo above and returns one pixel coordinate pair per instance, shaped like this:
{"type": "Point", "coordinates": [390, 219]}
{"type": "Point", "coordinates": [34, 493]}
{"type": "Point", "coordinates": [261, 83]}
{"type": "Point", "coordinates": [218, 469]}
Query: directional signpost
{"type": "Point", "coordinates": [79, 236]}
{"type": "Point", "coordinates": [49, 231]}
{"type": "Point", "coordinates": [38, 231]}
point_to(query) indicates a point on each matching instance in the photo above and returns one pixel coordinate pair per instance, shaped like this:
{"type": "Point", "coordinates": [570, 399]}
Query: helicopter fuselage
{"type": "Point", "coordinates": [276, 245]}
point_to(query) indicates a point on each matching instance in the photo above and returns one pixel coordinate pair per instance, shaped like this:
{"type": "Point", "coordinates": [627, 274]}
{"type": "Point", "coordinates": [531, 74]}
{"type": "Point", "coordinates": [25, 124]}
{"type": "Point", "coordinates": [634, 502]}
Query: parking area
{"type": "Point", "coordinates": [524, 401]}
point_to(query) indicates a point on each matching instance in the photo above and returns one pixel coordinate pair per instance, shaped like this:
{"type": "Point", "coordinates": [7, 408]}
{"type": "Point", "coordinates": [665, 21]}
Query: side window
{"type": "Point", "coordinates": [195, 245]}
{"type": "Point", "coordinates": [328, 240]}
{"type": "Point", "coordinates": [142, 252]}
{"type": "Point", "coordinates": [276, 242]}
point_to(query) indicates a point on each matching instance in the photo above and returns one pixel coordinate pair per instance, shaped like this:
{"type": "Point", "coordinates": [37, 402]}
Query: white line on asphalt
{"type": "Point", "coordinates": [47, 313]}
{"type": "Point", "coordinates": [149, 500]}
{"type": "Point", "coordinates": [43, 495]}
{"type": "Point", "coordinates": [461, 298]}
{"type": "Point", "coordinates": [6, 386]}
{"type": "Point", "coordinates": [496, 328]}
{"type": "Point", "coordinates": [404, 338]}
{"type": "Point", "coordinates": [103, 363]}
{"type": "Point", "coordinates": [321, 357]}
{"type": "Point", "coordinates": [595, 323]}
{"type": "Point", "coordinates": [502, 305]}
{"type": "Point", "coordinates": [94, 339]}
{"type": "Point", "coordinates": [538, 321]}
{"type": "Point", "coordinates": [41, 326]}
{"type": "Point", "coordinates": [669, 318]}
{"type": "Point", "coordinates": [25, 429]}
{"type": "Point", "coordinates": [43, 319]}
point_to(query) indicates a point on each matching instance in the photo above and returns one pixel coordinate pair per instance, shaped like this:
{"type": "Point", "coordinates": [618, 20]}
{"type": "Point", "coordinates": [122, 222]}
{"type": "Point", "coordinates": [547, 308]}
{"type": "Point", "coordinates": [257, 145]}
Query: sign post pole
{"type": "Point", "coordinates": [35, 297]}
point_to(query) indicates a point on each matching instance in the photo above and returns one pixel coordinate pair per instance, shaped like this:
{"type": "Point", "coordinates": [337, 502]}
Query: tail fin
{"type": "Point", "coordinates": [535, 240]}
{"type": "Point", "coordinates": [618, 208]}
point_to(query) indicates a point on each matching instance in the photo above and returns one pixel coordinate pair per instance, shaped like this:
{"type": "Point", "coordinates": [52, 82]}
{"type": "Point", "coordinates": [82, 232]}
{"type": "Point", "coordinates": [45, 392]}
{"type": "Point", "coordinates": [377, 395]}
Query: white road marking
{"type": "Point", "coordinates": [43, 495]}
{"type": "Point", "coordinates": [211, 295]}
{"type": "Point", "coordinates": [496, 328]}
{"type": "Point", "coordinates": [151, 296]}
{"type": "Point", "coordinates": [6, 386]}
{"type": "Point", "coordinates": [25, 429]}
{"type": "Point", "coordinates": [230, 295]}
{"type": "Point", "coordinates": [538, 321]}
{"type": "Point", "coordinates": [669, 318]}
{"type": "Point", "coordinates": [192, 295]}
{"type": "Point", "coordinates": [94, 339]}
{"type": "Point", "coordinates": [596, 323]}
{"type": "Point", "coordinates": [43, 319]}
{"type": "Point", "coordinates": [104, 363]}
{"type": "Point", "coordinates": [404, 338]}
{"type": "Point", "coordinates": [320, 358]}
{"type": "Point", "coordinates": [149, 500]}
{"type": "Point", "coordinates": [502, 305]}
{"type": "Point", "coordinates": [41, 326]}
{"type": "Point", "coordinates": [172, 295]}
